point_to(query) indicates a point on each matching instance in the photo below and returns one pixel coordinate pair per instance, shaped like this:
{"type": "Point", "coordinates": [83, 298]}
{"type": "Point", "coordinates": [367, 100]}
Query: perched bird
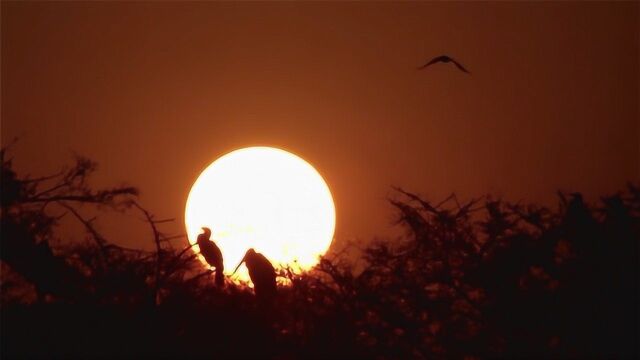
{"type": "Point", "coordinates": [444, 59]}
{"type": "Point", "coordinates": [212, 254]}
{"type": "Point", "coordinates": [262, 275]}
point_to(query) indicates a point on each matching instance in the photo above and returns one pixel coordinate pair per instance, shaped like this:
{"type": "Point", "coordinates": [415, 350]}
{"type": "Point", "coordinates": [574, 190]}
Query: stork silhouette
{"type": "Point", "coordinates": [212, 254]}
{"type": "Point", "coordinates": [262, 274]}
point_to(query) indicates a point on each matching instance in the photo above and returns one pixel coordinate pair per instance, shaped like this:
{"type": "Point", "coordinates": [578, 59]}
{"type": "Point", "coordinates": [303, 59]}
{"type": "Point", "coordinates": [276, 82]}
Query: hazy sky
{"type": "Point", "coordinates": [156, 91]}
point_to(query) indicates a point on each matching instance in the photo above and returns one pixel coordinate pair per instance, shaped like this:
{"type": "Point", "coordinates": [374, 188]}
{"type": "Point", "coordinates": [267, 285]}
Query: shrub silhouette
{"type": "Point", "coordinates": [480, 279]}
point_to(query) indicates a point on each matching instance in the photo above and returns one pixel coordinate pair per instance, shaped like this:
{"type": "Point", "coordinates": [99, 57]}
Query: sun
{"type": "Point", "coordinates": [263, 198]}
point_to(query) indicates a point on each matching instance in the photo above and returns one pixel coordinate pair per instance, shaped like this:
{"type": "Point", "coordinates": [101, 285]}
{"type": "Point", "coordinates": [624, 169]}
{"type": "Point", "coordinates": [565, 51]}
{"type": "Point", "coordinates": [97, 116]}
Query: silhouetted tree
{"type": "Point", "coordinates": [483, 278]}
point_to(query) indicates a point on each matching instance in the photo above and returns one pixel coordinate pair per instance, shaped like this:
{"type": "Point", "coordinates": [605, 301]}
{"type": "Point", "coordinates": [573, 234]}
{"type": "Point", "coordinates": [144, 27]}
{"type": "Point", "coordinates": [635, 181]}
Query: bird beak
{"type": "Point", "coordinates": [237, 267]}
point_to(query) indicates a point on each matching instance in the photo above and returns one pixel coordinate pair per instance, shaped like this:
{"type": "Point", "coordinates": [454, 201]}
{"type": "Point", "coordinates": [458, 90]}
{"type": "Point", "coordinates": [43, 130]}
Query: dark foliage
{"type": "Point", "coordinates": [481, 279]}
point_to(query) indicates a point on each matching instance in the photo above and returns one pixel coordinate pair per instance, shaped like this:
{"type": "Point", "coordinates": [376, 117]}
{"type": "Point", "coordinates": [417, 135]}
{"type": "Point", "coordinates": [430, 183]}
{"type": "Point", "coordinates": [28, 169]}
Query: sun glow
{"type": "Point", "coordinates": [262, 198]}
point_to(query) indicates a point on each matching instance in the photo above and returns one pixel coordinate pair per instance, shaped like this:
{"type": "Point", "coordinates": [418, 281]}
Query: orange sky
{"type": "Point", "coordinates": [156, 91]}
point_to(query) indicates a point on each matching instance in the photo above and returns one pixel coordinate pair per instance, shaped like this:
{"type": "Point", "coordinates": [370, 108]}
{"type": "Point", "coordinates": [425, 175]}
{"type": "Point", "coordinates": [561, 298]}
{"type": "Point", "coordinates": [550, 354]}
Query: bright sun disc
{"type": "Point", "coordinates": [262, 198]}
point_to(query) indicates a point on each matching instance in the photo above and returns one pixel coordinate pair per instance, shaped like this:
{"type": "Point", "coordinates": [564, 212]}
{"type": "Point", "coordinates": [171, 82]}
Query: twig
{"type": "Point", "coordinates": [99, 239]}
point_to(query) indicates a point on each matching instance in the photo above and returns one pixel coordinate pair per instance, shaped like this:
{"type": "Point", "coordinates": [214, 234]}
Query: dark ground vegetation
{"type": "Point", "coordinates": [480, 279]}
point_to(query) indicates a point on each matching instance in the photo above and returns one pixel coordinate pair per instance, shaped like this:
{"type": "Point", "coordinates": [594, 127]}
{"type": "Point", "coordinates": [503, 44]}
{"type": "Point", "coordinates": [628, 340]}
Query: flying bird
{"type": "Point", "coordinates": [262, 274]}
{"type": "Point", "coordinates": [212, 254]}
{"type": "Point", "coordinates": [445, 59]}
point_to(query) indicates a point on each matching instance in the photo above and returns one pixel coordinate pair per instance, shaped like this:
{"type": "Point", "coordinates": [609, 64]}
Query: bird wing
{"type": "Point", "coordinates": [436, 59]}
{"type": "Point", "coordinates": [210, 252]}
{"type": "Point", "coordinates": [462, 68]}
